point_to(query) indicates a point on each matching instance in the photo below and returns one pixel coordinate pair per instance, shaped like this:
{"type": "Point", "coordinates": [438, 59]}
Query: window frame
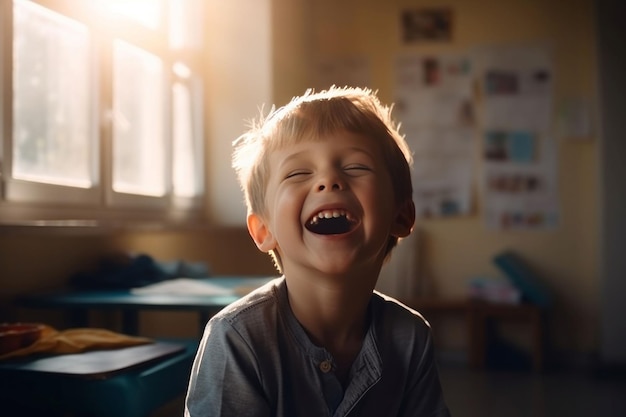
{"type": "Point", "coordinates": [28, 201]}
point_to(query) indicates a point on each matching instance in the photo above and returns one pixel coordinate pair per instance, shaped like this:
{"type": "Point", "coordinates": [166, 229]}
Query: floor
{"type": "Point", "coordinates": [525, 394]}
{"type": "Point", "coordinates": [517, 394]}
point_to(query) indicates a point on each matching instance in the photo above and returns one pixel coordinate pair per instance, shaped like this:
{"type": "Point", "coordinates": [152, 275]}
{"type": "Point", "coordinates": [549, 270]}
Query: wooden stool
{"type": "Point", "coordinates": [481, 313]}
{"type": "Point", "coordinates": [478, 315]}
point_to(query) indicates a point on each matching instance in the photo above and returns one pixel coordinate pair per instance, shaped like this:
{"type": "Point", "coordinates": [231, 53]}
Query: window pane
{"type": "Point", "coordinates": [52, 137]}
{"type": "Point", "coordinates": [187, 145]}
{"type": "Point", "coordinates": [139, 142]}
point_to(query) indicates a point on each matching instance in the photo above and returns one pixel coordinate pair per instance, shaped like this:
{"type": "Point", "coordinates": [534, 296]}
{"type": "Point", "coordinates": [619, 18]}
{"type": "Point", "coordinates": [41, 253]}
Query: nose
{"type": "Point", "coordinates": [334, 187]}
{"type": "Point", "coordinates": [330, 182]}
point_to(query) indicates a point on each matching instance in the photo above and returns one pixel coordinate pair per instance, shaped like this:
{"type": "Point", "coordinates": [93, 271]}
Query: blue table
{"type": "Point", "coordinates": [126, 382]}
{"type": "Point", "coordinates": [78, 303]}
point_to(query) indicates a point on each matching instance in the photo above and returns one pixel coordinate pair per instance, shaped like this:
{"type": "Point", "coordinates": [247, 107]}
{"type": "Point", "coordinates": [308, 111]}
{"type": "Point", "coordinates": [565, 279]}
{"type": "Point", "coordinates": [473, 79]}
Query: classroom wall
{"type": "Point", "coordinates": [238, 59]}
{"type": "Point", "coordinates": [454, 250]}
{"type": "Point", "coordinates": [249, 64]}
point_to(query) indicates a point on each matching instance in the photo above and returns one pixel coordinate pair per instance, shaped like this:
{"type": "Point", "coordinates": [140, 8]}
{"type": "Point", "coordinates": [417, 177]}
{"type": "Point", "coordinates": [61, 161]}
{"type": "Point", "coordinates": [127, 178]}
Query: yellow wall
{"type": "Point", "coordinates": [453, 249]}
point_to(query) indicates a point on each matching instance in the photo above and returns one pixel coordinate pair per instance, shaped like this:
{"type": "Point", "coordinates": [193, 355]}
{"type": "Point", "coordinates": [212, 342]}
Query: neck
{"type": "Point", "coordinates": [333, 311]}
{"type": "Point", "coordinates": [327, 313]}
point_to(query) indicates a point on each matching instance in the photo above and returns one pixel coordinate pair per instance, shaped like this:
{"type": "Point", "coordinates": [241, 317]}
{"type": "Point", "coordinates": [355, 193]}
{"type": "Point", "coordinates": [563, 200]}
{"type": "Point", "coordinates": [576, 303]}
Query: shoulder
{"type": "Point", "coordinates": [256, 310]}
{"type": "Point", "coordinates": [393, 319]}
{"type": "Point", "coordinates": [392, 307]}
{"type": "Point", "coordinates": [402, 336]}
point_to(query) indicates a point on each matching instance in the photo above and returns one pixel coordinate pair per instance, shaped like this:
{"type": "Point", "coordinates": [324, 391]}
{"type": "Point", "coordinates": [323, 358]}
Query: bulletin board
{"type": "Point", "coordinates": [494, 102]}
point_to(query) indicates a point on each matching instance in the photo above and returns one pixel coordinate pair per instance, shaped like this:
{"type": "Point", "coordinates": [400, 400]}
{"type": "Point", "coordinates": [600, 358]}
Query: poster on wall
{"type": "Point", "coordinates": [520, 189]}
{"type": "Point", "coordinates": [517, 86]}
{"type": "Point", "coordinates": [433, 99]}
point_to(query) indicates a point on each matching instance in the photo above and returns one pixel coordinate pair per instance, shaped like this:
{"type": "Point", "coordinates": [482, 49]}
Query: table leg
{"type": "Point", "coordinates": [130, 322]}
{"type": "Point", "coordinates": [476, 338]}
{"type": "Point", "coordinates": [77, 317]}
{"type": "Point", "coordinates": [538, 342]}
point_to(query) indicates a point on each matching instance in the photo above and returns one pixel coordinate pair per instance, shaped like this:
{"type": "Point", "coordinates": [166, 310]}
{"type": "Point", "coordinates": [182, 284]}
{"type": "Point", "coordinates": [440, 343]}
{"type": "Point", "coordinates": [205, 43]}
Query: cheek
{"type": "Point", "coordinates": [381, 197]}
{"type": "Point", "coordinates": [287, 204]}
{"type": "Point", "coordinates": [287, 212]}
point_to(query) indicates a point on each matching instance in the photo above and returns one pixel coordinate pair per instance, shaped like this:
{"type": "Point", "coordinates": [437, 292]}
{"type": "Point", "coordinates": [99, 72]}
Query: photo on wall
{"type": "Point", "coordinates": [426, 25]}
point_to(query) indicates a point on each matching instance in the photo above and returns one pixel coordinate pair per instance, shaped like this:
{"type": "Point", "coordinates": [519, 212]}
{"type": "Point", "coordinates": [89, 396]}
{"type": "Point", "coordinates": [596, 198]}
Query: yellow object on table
{"type": "Point", "coordinates": [52, 341]}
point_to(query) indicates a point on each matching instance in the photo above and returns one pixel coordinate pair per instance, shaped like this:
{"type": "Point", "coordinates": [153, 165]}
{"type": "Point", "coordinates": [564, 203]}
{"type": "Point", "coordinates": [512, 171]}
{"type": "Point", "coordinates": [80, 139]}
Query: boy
{"type": "Point", "coordinates": [328, 188]}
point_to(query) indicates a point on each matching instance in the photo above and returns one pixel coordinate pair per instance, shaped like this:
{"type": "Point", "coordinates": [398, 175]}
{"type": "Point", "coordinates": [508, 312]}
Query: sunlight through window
{"type": "Point", "coordinates": [52, 101]}
{"type": "Point", "coordinates": [139, 140]}
{"type": "Point", "coordinates": [106, 108]}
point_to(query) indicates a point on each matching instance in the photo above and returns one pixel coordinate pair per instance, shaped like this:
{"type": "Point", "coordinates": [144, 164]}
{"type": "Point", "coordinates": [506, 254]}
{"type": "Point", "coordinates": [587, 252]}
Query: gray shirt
{"type": "Point", "coordinates": [256, 360]}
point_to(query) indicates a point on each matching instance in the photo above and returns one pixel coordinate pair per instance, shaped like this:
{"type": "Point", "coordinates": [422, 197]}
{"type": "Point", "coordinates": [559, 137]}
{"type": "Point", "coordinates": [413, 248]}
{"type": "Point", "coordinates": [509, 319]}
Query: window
{"type": "Point", "coordinates": [138, 107]}
{"type": "Point", "coordinates": [101, 109]}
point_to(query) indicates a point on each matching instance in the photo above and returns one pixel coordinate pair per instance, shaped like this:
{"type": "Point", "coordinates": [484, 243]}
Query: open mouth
{"type": "Point", "coordinates": [331, 222]}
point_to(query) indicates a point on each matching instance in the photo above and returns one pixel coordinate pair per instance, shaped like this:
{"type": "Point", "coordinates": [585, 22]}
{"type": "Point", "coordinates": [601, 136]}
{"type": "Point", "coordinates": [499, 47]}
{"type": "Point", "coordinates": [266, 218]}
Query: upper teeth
{"type": "Point", "coordinates": [328, 214]}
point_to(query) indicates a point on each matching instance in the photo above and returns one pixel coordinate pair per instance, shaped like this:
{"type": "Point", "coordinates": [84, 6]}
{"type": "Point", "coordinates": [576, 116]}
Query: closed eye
{"type": "Point", "coordinates": [357, 169]}
{"type": "Point", "coordinates": [297, 173]}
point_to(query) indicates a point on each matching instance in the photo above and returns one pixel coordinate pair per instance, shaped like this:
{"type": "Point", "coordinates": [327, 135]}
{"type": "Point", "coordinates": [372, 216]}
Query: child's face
{"type": "Point", "coordinates": [329, 206]}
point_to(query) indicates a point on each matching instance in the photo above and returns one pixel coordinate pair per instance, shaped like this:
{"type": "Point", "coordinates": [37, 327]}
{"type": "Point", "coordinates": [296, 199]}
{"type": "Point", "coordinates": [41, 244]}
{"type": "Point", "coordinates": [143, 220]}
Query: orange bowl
{"type": "Point", "coordinates": [14, 336]}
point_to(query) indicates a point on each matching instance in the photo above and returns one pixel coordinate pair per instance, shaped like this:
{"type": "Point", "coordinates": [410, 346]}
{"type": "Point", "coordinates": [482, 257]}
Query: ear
{"type": "Point", "coordinates": [260, 232]}
{"type": "Point", "coordinates": [405, 219]}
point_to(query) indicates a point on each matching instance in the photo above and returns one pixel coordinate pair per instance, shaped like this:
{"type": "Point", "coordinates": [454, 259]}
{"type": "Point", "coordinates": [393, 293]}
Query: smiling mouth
{"type": "Point", "coordinates": [331, 222]}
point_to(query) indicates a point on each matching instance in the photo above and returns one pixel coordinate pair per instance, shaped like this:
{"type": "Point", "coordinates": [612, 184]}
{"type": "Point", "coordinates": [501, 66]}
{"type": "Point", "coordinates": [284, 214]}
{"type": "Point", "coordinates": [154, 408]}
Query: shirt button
{"type": "Point", "coordinates": [325, 366]}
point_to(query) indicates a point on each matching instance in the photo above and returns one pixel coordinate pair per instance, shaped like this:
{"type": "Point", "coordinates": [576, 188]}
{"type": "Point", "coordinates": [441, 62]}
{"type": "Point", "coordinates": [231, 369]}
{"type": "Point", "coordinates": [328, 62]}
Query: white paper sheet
{"type": "Point", "coordinates": [183, 286]}
{"type": "Point", "coordinates": [434, 104]}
